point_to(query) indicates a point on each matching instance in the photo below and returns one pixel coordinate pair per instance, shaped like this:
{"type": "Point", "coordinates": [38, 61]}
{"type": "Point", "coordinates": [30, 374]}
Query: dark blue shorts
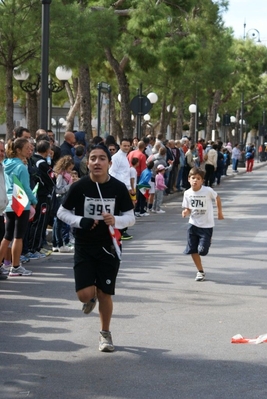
{"type": "Point", "coordinates": [95, 265]}
{"type": "Point", "coordinates": [198, 240]}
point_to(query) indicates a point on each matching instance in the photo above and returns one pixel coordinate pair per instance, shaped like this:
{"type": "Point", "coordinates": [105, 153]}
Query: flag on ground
{"type": "Point", "coordinates": [144, 189]}
{"type": "Point", "coordinates": [19, 197]}
{"type": "Point", "coordinates": [239, 339]}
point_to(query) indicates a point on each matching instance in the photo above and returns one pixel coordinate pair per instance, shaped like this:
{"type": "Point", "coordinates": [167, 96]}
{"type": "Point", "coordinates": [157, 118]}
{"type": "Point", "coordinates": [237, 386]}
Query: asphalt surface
{"type": "Point", "coordinates": [172, 334]}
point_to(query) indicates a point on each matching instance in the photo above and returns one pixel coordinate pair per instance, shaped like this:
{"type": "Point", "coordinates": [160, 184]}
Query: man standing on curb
{"type": "Point", "coordinates": [120, 169]}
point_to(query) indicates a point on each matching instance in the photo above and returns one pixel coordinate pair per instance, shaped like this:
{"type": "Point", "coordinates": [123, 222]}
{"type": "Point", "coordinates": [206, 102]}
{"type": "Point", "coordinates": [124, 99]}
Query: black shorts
{"type": "Point", "coordinates": [198, 240]}
{"type": "Point", "coordinates": [95, 265]}
{"type": "Point", "coordinates": [16, 226]}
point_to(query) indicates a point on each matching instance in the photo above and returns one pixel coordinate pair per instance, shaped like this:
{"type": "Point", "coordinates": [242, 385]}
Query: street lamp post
{"type": "Point", "coordinates": [193, 110]}
{"type": "Point", "coordinates": [141, 105]}
{"type": "Point", "coordinates": [45, 63]}
{"type": "Point", "coordinates": [58, 122]}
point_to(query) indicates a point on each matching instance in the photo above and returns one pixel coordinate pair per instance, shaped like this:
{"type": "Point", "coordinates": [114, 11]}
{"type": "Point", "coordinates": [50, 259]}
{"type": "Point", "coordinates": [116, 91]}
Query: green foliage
{"type": "Point", "coordinates": [19, 42]}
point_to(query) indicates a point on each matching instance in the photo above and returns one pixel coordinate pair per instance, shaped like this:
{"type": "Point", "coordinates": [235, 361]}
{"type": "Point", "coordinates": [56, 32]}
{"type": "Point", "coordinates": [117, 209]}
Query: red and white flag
{"type": "Point", "coordinates": [19, 197]}
{"type": "Point", "coordinates": [239, 339]}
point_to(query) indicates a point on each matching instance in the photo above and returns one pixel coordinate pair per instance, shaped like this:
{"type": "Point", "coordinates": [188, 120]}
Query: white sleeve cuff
{"type": "Point", "coordinates": [126, 219]}
{"type": "Point", "coordinates": [68, 217]}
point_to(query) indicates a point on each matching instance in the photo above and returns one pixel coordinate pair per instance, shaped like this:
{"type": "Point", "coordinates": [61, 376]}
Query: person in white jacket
{"type": "Point", "coordinates": [120, 169]}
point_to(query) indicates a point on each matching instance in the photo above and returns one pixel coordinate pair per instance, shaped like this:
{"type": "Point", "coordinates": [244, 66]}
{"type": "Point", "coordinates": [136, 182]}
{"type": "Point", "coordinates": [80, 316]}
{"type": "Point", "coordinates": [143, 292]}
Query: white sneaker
{"type": "Point", "coordinates": [144, 214]}
{"type": "Point", "coordinates": [19, 271]}
{"type": "Point", "coordinates": [160, 211]}
{"type": "Point", "coordinates": [200, 276]}
{"type": "Point", "coordinates": [105, 342]}
{"type": "Point", "coordinates": [65, 249]}
{"type": "Point", "coordinates": [153, 210]}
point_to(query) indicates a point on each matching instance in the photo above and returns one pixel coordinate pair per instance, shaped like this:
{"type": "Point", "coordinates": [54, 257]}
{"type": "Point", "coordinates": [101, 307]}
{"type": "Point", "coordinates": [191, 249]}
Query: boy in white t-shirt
{"type": "Point", "coordinates": [133, 179]}
{"type": "Point", "coordinates": [198, 206]}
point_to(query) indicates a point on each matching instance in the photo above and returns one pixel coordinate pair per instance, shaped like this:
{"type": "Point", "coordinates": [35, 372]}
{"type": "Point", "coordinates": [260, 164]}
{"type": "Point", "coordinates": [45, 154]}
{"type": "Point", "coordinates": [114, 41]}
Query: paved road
{"type": "Point", "coordinates": [172, 334]}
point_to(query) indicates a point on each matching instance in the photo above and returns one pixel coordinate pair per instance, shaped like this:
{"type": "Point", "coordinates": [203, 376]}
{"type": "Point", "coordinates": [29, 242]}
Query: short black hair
{"type": "Point", "coordinates": [150, 165]}
{"type": "Point", "coordinates": [79, 150]}
{"type": "Point", "coordinates": [19, 131]}
{"type": "Point", "coordinates": [42, 146]}
{"type": "Point", "coordinates": [100, 147]}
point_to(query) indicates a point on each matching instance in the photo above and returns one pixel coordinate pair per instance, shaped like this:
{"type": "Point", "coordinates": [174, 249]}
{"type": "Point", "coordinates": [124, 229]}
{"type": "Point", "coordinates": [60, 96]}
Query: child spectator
{"type": "Point", "coordinates": [250, 154]}
{"type": "Point", "coordinates": [197, 204]}
{"type": "Point", "coordinates": [143, 187]}
{"type": "Point", "coordinates": [133, 179]}
{"type": "Point", "coordinates": [159, 189]}
{"type": "Point", "coordinates": [61, 230]}
{"type": "Point", "coordinates": [226, 160]}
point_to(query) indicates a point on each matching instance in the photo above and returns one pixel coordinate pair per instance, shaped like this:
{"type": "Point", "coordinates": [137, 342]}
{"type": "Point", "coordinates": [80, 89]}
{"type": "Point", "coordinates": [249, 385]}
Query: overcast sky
{"type": "Point", "coordinates": [251, 12]}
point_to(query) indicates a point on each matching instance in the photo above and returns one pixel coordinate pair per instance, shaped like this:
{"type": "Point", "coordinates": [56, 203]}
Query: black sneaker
{"type": "Point", "coordinates": [126, 236]}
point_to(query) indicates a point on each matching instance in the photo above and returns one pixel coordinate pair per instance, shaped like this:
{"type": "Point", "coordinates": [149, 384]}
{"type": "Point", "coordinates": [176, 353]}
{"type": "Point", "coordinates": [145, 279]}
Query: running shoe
{"type": "Point", "coordinates": [200, 276]}
{"type": "Point", "coordinates": [105, 342]}
{"type": "Point", "coordinates": [160, 211]}
{"type": "Point", "coordinates": [55, 249]}
{"type": "Point", "coordinates": [24, 259]}
{"type": "Point", "coordinates": [4, 269]}
{"type": "Point", "coordinates": [45, 251]}
{"type": "Point", "coordinates": [126, 236]}
{"type": "Point", "coordinates": [65, 249]}
{"type": "Point", "coordinates": [144, 214]}
{"type": "Point", "coordinates": [89, 306]}
{"type": "Point", "coordinates": [35, 255]}
{"type": "Point", "coordinates": [19, 271]}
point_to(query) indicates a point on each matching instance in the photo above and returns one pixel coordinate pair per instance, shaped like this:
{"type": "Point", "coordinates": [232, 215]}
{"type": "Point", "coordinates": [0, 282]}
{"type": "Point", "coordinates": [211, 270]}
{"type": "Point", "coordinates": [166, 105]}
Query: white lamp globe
{"type": "Point", "coordinates": [218, 118]}
{"type": "Point", "coordinates": [132, 117]}
{"type": "Point", "coordinates": [169, 108]}
{"type": "Point", "coordinates": [153, 98]}
{"type": "Point", "coordinates": [232, 119]}
{"type": "Point", "coordinates": [63, 73]}
{"type": "Point", "coordinates": [53, 122]}
{"type": "Point", "coordinates": [147, 117]}
{"type": "Point", "coordinates": [192, 108]}
{"type": "Point", "coordinates": [61, 121]}
{"type": "Point", "coordinates": [119, 98]}
{"type": "Point", "coordinates": [20, 74]}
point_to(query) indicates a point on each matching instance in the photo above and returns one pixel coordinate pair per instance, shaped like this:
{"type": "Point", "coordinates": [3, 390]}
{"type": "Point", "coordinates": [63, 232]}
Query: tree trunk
{"type": "Point", "coordinates": [179, 120]}
{"type": "Point", "coordinates": [9, 103]}
{"type": "Point", "coordinates": [85, 101]}
{"type": "Point", "coordinates": [74, 100]}
{"type": "Point", "coordinates": [163, 119]}
{"type": "Point", "coordinates": [32, 112]}
{"type": "Point", "coordinates": [212, 113]}
{"type": "Point", "coordinates": [125, 94]}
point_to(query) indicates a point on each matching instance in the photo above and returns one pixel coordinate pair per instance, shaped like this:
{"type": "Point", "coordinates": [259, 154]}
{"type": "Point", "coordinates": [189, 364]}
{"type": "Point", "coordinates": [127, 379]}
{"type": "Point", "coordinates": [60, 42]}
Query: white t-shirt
{"type": "Point", "coordinates": [133, 174]}
{"type": "Point", "coordinates": [200, 203]}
